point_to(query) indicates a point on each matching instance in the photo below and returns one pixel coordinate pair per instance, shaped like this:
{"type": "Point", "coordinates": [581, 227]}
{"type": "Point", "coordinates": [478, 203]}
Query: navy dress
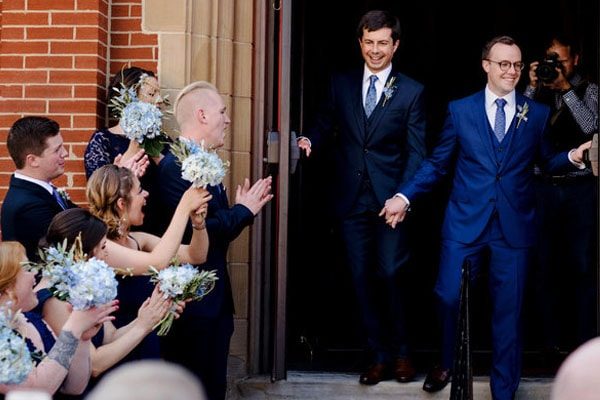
{"type": "Point", "coordinates": [35, 317]}
{"type": "Point", "coordinates": [102, 149]}
{"type": "Point", "coordinates": [132, 291]}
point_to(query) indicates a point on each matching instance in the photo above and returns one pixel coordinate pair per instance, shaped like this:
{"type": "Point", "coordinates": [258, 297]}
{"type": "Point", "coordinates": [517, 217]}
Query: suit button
{"type": "Point", "coordinates": [498, 177]}
{"type": "Point", "coordinates": [366, 151]}
{"type": "Point", "coordinates": [492, 200]}
{"type": "Point", "coordinates": [500, 149]}
{"type": "Point", "coordinates": [359, 173]}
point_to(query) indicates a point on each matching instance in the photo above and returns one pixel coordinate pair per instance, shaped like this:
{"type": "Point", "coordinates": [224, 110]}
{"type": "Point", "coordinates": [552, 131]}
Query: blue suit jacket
{"type": "Point", "coordinates": [223, 223]}
{"type": "Point", "coordinates": [27, 211]}
{"type": "Point", "coordinates": [388, 147]}
{"type": "Point", "coordinates": [481, 185]}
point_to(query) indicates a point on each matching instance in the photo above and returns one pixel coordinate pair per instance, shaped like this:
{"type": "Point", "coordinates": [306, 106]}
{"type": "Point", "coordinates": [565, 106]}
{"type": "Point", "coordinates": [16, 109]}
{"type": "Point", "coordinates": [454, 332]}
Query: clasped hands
{"type": "Point", "coordinates": [394, 211]}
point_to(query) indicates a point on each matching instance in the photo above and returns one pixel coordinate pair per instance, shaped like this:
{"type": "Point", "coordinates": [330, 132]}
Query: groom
{"type": "Point", "coordinates": [377, 114]}
{"type": "Point", "coordinates": [493, 137]}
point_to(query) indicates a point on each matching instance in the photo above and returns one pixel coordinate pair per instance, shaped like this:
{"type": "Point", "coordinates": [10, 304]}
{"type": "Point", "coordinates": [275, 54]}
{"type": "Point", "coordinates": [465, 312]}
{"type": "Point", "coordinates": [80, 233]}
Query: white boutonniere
{"type": "Point", "coordinates": [522, 113]}
{"type": "Point", "coordinates": [62, 192]}
{"type": "Point", "coordinates": [388, 90]}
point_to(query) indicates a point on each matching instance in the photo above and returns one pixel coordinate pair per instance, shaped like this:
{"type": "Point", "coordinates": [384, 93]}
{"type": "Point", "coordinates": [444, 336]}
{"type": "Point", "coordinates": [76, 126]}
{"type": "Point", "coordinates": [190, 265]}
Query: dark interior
{"type": "Point", "coordinates": [440, 47]}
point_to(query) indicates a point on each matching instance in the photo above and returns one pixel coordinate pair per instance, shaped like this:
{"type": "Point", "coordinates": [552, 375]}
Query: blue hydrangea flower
{"type": "Point", "coordinates": [15, 360]}
{"type": "Point", "coordinates": [200, 166]}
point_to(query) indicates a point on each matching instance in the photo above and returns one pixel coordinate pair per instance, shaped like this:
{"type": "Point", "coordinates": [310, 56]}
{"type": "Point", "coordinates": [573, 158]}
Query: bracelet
{"type": "Point", "coordinates": [199, 227]}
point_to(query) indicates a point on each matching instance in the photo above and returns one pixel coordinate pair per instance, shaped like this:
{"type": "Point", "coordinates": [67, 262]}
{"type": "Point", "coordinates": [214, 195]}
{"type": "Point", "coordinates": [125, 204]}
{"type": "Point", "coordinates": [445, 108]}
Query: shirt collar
{"type": "Point", "coordinates": [46, 185]}
{"type": "Point", "coordinates": [490, 98]}
{"type": "Point", "coordinates": [382, 75]}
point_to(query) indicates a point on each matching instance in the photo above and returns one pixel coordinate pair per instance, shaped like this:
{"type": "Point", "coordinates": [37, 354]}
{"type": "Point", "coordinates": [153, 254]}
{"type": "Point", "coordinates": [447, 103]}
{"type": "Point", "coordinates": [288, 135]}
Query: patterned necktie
{"type": "Point", "coordinates": [371, 100]}
{"type": "Point", "coordinates": [59, 199]}
{"type": "Point", "coordinates": [500, 123]}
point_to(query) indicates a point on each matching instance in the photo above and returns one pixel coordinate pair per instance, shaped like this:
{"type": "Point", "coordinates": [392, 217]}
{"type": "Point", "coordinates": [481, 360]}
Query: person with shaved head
{"type": "Point", "coordinates": [200, 338]}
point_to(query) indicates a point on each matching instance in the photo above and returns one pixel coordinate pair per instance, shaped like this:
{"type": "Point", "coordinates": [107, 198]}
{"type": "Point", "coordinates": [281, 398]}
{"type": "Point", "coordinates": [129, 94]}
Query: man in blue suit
{"type": "Point", "coordinates": [200, 338]}
{"type": "Point", "coordinates": [378, 114]}
{"type": "Point", "coordinates": [36, 147]}
{"type": "Point", "coordinates": [493, 138]}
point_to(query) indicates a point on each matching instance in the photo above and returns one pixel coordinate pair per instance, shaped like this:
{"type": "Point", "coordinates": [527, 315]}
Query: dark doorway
{"type": "Point", "coordinates": [440, 47]}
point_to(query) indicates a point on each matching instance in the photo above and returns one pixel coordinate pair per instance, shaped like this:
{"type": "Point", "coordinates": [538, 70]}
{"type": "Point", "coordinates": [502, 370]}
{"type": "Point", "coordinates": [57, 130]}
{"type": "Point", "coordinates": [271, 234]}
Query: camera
{"type": "Point", "coordinates": [546, 69]}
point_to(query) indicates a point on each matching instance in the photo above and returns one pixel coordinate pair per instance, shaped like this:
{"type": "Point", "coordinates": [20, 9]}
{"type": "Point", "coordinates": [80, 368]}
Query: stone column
{"type": "Point", "coordinates": [212, 40]}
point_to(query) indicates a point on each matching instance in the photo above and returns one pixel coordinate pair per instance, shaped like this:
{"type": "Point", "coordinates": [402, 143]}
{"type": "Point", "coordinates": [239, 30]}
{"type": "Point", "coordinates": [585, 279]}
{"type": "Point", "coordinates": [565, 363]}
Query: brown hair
{"type": "Point", "coordinates": [11, 255]}
{"type": "Point", "coordinates": [507, 40]}
{"type": "Point", "coordinates": [105, 187]}
{"type": "Point", "coordinates": [378, 19]}
{"type": "Point", "coordinates": [28, 135]}
{"type": "Point", "coordinates": [69, 224]}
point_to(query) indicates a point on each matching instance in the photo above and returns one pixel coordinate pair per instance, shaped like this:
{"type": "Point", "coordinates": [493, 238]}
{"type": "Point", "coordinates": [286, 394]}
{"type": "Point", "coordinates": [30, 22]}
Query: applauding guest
{"type": "Point", "coordinates": [116, 197]}
{"type": "Point", "coordinates": [66, 359]}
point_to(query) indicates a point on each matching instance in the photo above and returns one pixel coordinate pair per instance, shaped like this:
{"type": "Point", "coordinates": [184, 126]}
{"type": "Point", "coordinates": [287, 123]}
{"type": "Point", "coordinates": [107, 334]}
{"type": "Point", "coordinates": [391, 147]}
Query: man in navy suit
{"type": "Point", "coordinates": [378, 114]}
{"type": "Point", "coordinates": [200, 338]}
{"type": "Point", "coordinates": [493, 137]}
{"type": "Point", "coordinates": [36, 147]}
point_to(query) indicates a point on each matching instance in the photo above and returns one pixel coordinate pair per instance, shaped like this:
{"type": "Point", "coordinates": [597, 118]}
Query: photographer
{"type": "Point", "coordinates": [567, 204]}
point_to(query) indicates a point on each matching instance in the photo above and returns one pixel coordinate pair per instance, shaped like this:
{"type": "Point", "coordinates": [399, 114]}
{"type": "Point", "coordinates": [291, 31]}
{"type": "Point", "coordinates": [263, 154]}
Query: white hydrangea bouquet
{"type": "Point", "coordinates": [180, 283]}
{"type": "Point", "coordinates": [200, 166]}
{"type": "Point", "coordinates": [83, 282]}
{"type": "Point", "coordinates": [15, 359]}
{"type": "Point", "coordinates": [140, 121]}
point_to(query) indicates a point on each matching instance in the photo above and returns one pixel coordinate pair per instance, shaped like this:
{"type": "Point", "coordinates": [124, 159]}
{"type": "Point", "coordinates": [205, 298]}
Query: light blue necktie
{"type": "Point", "coordinates": [59, 199]}
{"type": "Point", "coordinates": [500, 122]}
{"type": "Point", "coordinates": [371, 100]}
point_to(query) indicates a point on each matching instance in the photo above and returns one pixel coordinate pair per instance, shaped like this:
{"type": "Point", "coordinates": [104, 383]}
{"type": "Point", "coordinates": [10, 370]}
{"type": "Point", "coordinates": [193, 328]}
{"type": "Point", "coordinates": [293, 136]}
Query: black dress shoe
{"type": "Point", "coordinates": [404, 370]}
{"type": "Point", "coordinates": [374, 374]}
{"type": "Point", "coordinates": [436, 380]}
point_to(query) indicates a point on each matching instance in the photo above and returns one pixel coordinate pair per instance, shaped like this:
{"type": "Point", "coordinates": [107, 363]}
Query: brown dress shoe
{"type": "Point", "coordinates": [374, 374]}
{"type": "Point", "coordinates": [404, 370]}
{"type": "Point", "coordinates": [436, 380]}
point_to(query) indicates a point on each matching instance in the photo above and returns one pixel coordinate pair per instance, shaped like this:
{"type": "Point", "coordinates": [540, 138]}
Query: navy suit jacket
{"type": "Point", "coordinates": [481, 184]}
{"type": "Point", "coordinates": [27, 211]}
{"type": "Point", "coordinates": [223, 223]}
{"type": "Point", "coordinates": [388, 146]}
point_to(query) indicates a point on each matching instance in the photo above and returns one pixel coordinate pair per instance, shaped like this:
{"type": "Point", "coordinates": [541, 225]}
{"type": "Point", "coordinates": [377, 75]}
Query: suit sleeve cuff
{"type": "Point", "coordinates": [305, 138]}
{"type": "Point", "coordinates": [403, 197]}
{"type": "Point", "coordinates": [579, 165]}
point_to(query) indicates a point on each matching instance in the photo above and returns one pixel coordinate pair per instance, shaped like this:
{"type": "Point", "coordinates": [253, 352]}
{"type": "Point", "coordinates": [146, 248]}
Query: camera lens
{"type": "Point", "coordinates": [546, 70]}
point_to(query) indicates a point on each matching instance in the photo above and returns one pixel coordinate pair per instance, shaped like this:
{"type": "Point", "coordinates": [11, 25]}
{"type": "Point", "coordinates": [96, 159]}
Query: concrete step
{"type": "Point", "coordinates": [334, 386]}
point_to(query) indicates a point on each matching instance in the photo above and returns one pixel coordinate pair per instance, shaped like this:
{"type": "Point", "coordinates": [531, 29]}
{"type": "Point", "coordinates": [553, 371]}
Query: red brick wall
{"type": "Point", "coordinates": [54, 57]}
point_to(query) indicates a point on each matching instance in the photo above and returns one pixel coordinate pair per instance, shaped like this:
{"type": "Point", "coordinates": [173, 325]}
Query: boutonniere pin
{"type": "Point", "coordinates": [62, 192]}
{"type": "Point", "coordinates": [388, 90]}
{"type": "Point", "coordinates": [522, 113]}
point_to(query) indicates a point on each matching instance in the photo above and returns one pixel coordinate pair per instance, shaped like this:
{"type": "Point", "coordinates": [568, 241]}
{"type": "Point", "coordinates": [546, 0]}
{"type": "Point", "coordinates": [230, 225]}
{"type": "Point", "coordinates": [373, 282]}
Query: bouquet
{"type": "Point", "coordinates": [181, 283]}
{"type": "Point", "coordinates": [15, 359]}
{"type": "Point", "coordinates": [200, 166]}
{"type": "Point", "coordinates": [140, 121]}
{"type": "Point", "coordinates": [83, 282]}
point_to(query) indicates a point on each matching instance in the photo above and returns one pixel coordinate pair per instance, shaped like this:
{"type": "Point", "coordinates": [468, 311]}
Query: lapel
{"type": "Point", "coordinates": [30, 187]}
{"type": "Point", "coordinates": [483, 125]}
{"type": "Point", "coordinates": [517, 132]}
{"type": "Point", "coordinates": [357, 109]}
{"type": "Point", "coordinates": [383, 104]}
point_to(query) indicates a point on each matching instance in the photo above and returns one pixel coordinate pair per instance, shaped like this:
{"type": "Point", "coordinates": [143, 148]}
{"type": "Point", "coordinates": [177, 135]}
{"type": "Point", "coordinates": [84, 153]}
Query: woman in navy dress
{"type": "Point", "coordinates": [65, 365]}
{"type": "Point", "coordinates": [108, 143]}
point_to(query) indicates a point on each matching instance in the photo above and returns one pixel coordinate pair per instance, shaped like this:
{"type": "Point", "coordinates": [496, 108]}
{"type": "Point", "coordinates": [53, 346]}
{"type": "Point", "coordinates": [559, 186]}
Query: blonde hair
{"type": "Point", "coordinates": [105, 187]}
{"type": "Point", "coordinates": [11, 255]}
{"type": "Point", "coordinates": [192, 87]}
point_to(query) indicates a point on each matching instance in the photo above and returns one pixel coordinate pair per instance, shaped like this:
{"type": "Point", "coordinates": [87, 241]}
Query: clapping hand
{"type": "Point", "coordinates": [84, 324]}
{"type": "Point", "coordinates": [137, 164]}
{"type": "Point", "coordinates": [255, 197]}
{"type": "Point", "coordinates": [153, 309]}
